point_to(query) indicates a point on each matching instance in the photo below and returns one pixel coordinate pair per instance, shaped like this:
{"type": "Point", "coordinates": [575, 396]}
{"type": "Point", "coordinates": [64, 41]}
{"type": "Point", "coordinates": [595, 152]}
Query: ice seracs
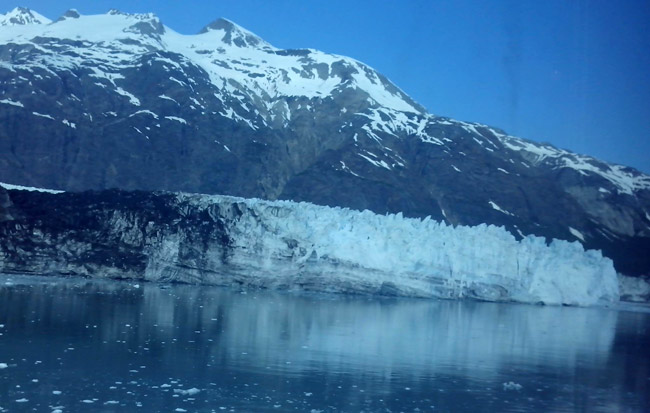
{"type": "Point", "coordinates": [284, 244]}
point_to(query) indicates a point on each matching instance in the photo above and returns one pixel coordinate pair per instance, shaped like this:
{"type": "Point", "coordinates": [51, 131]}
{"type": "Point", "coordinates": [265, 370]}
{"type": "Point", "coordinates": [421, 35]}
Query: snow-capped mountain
{"type": "Point", "coordinates": [121, 100]}
{"type": "Point", "coordinates": [21, 16]}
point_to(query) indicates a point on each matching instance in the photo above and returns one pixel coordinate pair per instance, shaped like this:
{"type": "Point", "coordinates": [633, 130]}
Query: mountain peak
{"type": "Point", "coordinates": [234, 34]}
{"type": "Point", "coordinates": [135, 16]}
{"type": "Point", "coordinates": [145, 23]}
{"type": "Point", "coordinates": [70, 14]}
{"type": "Point", "coordinates": [22, 16]}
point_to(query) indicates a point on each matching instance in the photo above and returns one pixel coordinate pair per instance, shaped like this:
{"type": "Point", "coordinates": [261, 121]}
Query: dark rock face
{"type": "Point", "coordinates": [159, 118]}
{"type": "Point", "coordinates": [107, 233]}
{"type": "Point", "coordinates": [7, 210]}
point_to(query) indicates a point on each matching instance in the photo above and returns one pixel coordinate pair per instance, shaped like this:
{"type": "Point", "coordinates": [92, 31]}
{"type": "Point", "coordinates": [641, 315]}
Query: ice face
{"type": "Point", "coordinates": [291, 245]}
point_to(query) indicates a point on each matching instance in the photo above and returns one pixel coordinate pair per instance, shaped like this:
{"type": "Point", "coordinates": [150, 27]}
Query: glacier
{"type": "Point", "coordinates": [285, 245]}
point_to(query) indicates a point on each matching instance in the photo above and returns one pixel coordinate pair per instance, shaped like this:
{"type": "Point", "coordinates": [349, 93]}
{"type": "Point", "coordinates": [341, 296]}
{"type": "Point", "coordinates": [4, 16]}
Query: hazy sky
{"type": "Point", "coordinates": [574, 73]}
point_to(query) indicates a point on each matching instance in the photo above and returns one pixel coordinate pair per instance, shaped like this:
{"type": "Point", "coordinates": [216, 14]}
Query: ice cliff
{"type": "Point", "coordinates": [233, 241]}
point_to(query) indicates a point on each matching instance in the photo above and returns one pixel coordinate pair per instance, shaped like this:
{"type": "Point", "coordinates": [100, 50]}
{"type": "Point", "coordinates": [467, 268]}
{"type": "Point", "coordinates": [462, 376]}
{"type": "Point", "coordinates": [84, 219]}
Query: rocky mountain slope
{"type": "Point", "coordinates": [122, 101]}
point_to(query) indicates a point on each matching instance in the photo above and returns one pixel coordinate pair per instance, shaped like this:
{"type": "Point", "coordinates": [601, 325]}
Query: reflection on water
{"type": "Point", "coordinates": [208, 349]}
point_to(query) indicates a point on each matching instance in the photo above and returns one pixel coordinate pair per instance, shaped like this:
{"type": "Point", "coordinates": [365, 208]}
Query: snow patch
{"type": "Point", "coordinates": [379, 163]}
{"type": "Point", "coordinates": [168, 98]}
{"type": "Point", "coordinates": [345, 168]}
{"type": "Point", "coordinates": [28, 188]}
{"type": "Point", "coordinates": [144, 112]}
{"type": "Point", "coordinates": [231, 114]}
{"type": "Point", "coordinates": [498, 208]}
{"type": "Point", "coordinates": [12, 103]}
{"type": "Point", "coordinates": [177, 119]}
{"type": "Point", "coordinates": [577, 234]}
{"type": "Point", "coordinates": [626, 180]}
{"type": "Point", "coordinates": [42, 115]}
{"type": "Point", "coordinates": [134, 100]}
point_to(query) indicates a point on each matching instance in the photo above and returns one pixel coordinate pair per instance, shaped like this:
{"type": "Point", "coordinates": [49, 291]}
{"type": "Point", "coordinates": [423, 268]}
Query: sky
{"type": "Point", "coordinates": [573, 73]}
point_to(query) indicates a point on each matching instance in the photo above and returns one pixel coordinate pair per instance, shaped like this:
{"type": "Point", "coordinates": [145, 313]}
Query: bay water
{"type": "Point", "coordinates": [76, 345]}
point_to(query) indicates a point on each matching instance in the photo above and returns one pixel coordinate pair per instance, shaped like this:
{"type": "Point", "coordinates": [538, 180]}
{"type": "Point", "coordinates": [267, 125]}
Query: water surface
{"type": "Point", "coordinates": [79, 345]}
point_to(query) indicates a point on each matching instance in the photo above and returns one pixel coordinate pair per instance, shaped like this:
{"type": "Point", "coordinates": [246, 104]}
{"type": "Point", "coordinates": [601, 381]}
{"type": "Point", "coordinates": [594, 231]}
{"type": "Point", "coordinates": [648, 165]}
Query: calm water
{"type": "Point", "coordinates": [78, 346]}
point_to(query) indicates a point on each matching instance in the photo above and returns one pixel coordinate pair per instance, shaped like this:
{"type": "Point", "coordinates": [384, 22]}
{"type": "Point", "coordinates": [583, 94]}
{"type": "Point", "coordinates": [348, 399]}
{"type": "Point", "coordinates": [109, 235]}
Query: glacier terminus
{"type": "Point", "coordinates": [284, 245]}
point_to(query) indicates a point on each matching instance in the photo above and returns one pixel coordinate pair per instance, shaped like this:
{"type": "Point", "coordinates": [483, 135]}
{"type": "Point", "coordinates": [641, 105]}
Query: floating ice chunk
{"type": "Point", "coordinates": [188, 392]}
{"type": "Point", "coordinates": [511, 385]}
